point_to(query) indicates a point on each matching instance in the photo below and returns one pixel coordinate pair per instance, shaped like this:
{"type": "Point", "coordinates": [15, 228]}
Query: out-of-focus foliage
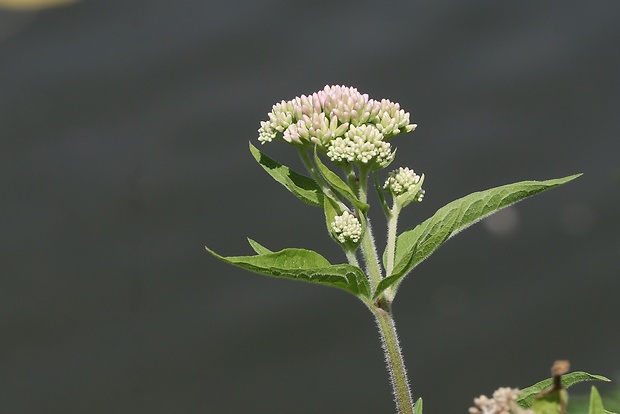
{"type": "Point", "coordinates": [32, 5]}
{"type": "Point", "coordinates": [579, 403]}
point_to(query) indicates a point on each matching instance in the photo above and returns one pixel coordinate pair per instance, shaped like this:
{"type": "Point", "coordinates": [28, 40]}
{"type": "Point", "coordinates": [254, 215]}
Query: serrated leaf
{"type": "Point", "coordinates": [415, 245]}
{"type": "Point", "coordinates": [528, 395]}
{"type": "Point", "coordinates": [417, 407]}
{"type": "Point", "coordinates": [338, 184]}
{"type": "Point", "coordinates": [305, 265]}
{"type": "Point", "coordinates": [258, 248]}
{"type": "Point", "coordinates": [596, 403]}
{"type": "Point", "coordinates": [303, 187]}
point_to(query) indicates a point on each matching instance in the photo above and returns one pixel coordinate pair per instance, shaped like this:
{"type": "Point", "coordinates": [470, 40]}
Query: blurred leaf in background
{"type": "Point", "coordinates": [32, 5]}
{"type": "Point", "coordinates": [579, 403]}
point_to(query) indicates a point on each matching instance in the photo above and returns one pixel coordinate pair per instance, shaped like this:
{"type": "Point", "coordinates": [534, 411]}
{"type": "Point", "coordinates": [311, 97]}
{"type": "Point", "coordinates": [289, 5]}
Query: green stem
{"type": "Point", "coordinates": [371, 258]}
{"type": "Point", "coordinates": [369, 251]}
{"type": "Point", "coordinates": [363, 188]}
{"type": "Point", "coordinates": [352, 259]}
{"type": "Point", "coordinates": [393, 357]}
{"type": "Point", "coordinates": [391, 239]}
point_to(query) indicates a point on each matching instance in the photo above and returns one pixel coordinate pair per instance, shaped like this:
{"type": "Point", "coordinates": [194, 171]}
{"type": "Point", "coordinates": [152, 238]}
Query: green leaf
{"type": "Point", "coordinates": [596, 403]}
{"type": "Point", "coordinates": [304, 188]}
{"type": "Point", "coordinates": [305, 265]}
{"type": "Point", "coordinates": [417, 407]}
{"type": "Point", "coordinates": [338, 184]}
{"type": "Point", "coordinates": [415, 245]}
{"type": "Point", "coordinates": [553, 402]}
{"type": "Point", "coordinates": [528, 395]}
{"type": "Point", "coordinates": [258, 248]}
{"type": "Point", "coordinates": [386, 283]}
{"type": "Point", "coordinates": [331, 211]}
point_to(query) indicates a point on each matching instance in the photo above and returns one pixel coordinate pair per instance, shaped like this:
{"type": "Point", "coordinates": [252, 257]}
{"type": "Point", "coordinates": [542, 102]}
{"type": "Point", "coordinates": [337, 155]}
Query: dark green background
{"type": "Point", "coordinates": [124, 129]}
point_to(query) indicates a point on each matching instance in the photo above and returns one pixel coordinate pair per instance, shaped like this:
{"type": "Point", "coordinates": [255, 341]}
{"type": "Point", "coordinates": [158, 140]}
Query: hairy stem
{"type": "Point", "coordinates": [352, 259]}
{"type": "Point", "coordinates": [370, 257]}
{"type": "Point", "coordinates": [393, 358]}
{"type": "Point", "coordinates": [391, 239]}
{"type": "Point", "coordinates": [369, 251]}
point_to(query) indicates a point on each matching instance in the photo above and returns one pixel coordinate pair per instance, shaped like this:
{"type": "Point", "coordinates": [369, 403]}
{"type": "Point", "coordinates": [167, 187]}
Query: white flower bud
{"type": "Point", "coordinates": [402, 180]}
{"type": "Point", "coordinates": [346, 227]}
{"type": "Point", "coordinates": [363, 144]}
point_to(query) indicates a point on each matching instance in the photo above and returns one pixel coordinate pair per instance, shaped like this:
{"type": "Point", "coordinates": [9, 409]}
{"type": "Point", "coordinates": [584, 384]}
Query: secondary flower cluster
{"type": "Point", "coordinates": [402, 180]}
{"type": "Point", "coordinates": [504, 401]}
{"type": "Point", "coordinates": [340, 121]}
{"type": "Point", "coordinates": [347, 227]}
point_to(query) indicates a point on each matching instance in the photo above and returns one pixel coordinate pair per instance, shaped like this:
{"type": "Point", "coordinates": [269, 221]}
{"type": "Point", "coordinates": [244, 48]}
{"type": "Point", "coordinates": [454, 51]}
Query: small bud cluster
{"type": "Point", "coordinates": [402, 180]}
{"type": "Point", "coordinates": [361, 144]}
{"type": "Point", "coordinates": [347, 227]}
{"type": "Point", "coordinates": [504, 401]}
{"type": "Point", "coordinates": [341, 121]}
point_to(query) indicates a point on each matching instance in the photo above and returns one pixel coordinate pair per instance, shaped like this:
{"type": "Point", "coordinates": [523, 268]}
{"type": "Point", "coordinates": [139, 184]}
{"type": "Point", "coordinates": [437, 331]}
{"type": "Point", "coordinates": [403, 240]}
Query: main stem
{"type": "Point", "coordinates": [369, 251]}
{"type": "Point", "coordinates": [393, 357]}
{"type": "Point", "coordinates": [381, 309]}
{"type": "Point", "coordinates": [391, 239]}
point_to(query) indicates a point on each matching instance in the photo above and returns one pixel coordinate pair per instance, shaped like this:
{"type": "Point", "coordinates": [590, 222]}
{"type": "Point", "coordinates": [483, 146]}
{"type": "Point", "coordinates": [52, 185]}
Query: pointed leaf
{"type": "Point", "coordinates": [338, 184]}
{"type": "Point", "coordinates": [528, 395]}
{"type": "Point", "coordinates": [417, 407]}
{"type": "Point", "coordinates": [415, 245]}
{"type": "Point", "coordinates": [258, 248]}
{"type": "Point", "coordinates": [306, 265]}
{"type": "Point", "coordinates": [596, 403]}
{"type": "Point", "coordinates": [304, 188]}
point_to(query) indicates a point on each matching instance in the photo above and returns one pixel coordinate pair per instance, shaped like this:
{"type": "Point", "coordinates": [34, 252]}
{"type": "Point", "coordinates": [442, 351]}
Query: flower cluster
{"type": "Point", "coordinates": [402, 180]}
{"type": "Point", "coordinates": [347, 227]}
{"type": "Point", "coordinates": [504, 401]}
{"type": "Point", "coordinates": [339, 120]}
{"type": "Point", "coordinates": [361, 144]}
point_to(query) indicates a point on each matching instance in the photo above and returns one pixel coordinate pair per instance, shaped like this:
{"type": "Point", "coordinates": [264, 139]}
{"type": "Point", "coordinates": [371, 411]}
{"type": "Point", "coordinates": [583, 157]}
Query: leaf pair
{"type": "Point", "coordinates": [412, 246]}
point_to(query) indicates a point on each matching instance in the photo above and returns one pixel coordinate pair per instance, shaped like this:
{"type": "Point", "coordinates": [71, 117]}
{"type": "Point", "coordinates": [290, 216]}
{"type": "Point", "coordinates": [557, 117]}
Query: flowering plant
{"type": "Point", "coordinates": [354, 132]}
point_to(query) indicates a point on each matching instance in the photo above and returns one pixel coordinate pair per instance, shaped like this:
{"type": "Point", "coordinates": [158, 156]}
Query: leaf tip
{"type": "Point", "coordinates": [212, 252]}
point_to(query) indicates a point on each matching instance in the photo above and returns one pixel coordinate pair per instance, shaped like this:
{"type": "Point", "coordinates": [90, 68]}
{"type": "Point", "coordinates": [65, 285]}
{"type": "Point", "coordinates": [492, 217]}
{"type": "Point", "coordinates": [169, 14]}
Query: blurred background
{"type": "Point", "coordinates": [124, 132]}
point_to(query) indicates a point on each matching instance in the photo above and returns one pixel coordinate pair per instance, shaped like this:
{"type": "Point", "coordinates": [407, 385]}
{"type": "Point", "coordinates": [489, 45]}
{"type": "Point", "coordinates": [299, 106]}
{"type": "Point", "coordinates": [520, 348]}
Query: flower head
{"type": "Point", "coordinates": [402, 180]}
{"type": "Point", "coordinates": [346, 227]}
{"type": "Point", "coordinates": [341, 121]}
